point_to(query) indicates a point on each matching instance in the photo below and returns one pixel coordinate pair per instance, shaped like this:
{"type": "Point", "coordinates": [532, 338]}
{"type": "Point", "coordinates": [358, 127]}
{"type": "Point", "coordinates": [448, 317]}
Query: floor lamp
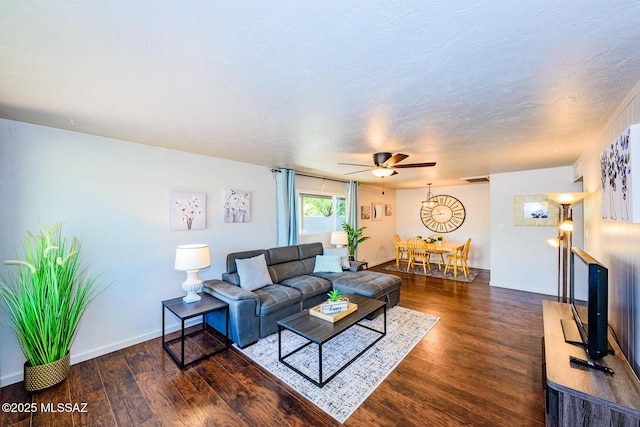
{"type": "Point", "coordinates": [565, 237]}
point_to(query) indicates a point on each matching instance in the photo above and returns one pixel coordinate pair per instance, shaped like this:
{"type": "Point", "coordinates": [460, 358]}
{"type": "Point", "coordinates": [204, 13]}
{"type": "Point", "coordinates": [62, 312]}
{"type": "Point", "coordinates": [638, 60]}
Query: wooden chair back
{"type": "Point", "coordinates": [465, 250]}
{"type": "Point", "coordinates": [418, 253]}
{"type": "Point", "coordinates": [402, 252]}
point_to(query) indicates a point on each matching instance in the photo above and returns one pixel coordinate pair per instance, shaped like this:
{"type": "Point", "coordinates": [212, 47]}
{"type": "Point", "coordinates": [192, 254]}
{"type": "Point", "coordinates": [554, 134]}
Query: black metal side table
{"type": "Point", "coordinates": [185, 311]}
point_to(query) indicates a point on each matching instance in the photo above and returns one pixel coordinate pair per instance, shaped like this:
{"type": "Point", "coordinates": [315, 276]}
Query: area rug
{"type": "Point", "coordinates": [341, 396]}
{"type": "Point", "coordinates": [435, 272]}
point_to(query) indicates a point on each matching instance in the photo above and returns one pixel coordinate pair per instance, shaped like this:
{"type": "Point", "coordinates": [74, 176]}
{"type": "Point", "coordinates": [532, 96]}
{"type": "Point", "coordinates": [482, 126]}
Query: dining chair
{"type": "Point", "coordinates": [418, 253]}
{"type": "Point", "coordinates": [460, 258]}
{"type": "Point", "coordinates": [402, 253]}
{"type": "Point", "coordinates": [437, 252]}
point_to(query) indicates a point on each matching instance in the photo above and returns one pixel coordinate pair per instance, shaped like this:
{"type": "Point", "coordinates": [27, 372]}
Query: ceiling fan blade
{"type": "Point", "coordinates": [396, 158]}
{"type": "Point", "coordinates": [394, 173]}
{"type": "Point", "coordinates": [364, 170]}
{"type": "Point", "coordinates": [355, 164]}
{"type": "Point", "coordinates": [415, 165]}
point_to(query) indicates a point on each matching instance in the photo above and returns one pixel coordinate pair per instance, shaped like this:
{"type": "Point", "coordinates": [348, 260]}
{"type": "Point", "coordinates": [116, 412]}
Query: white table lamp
{"type": "Point", "coordinates": [192, 258]}
{"type": "Point", "coordinates": [339, 238]}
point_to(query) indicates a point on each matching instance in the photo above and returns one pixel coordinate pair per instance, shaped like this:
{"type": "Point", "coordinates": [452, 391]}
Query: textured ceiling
{"type": "Point", "coordinates": [477, 86]}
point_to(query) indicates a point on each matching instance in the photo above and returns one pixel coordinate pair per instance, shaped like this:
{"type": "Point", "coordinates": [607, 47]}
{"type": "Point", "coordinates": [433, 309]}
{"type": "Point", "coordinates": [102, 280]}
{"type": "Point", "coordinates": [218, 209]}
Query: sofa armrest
{"type": "Point", "coordinates": [358, 265]}
{"type": "Point", "coordinates": [243, 308]}
{"type": "Point", "coordinates": [228, 291]}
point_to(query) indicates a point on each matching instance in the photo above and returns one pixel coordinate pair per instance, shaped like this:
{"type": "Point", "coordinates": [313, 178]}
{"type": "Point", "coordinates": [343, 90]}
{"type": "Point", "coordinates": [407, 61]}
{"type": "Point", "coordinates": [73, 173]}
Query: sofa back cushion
{"type": "Point", "coordinates": [286, 270]}
{"type": "Point", "coordinates": [308, 252]}
{"type": "Point", "coordinates": [283, 254]}
{"type": "Point", "coordinates": [231, 275]}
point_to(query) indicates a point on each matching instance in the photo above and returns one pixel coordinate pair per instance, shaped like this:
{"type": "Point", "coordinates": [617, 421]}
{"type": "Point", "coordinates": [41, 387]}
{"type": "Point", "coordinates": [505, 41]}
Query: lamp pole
{"type": "Point", "coordinates": [565, 237]}
{"type": "Point", "coordinates": [563, 248]}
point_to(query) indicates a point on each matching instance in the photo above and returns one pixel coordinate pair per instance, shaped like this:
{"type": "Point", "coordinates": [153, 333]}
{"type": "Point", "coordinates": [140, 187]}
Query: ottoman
{"type": "Point", "coordinates": [383, 287]}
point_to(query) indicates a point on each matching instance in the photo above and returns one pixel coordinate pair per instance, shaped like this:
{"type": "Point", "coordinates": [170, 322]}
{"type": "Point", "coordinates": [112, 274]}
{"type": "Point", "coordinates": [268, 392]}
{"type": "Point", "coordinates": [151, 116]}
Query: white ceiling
{"type": "Point", "coordinates": [478, 86]}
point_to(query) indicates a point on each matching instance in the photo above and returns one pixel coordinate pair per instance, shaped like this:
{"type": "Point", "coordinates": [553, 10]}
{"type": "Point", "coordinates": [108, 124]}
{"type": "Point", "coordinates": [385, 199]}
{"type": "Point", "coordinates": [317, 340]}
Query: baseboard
{"type": "Point", "coordinates": [90, 354]}
{"type": "Point", "coordinates": [377, 263]}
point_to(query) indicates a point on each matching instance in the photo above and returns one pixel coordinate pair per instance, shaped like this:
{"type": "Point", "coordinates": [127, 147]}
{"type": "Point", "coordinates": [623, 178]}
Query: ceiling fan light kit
{"type": "Point", "coordinates": [382, 172]}
{"type": "Point", "coordinates": [385, 164]}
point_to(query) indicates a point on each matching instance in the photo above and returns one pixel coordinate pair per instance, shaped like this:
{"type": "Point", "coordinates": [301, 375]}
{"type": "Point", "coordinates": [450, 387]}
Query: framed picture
{"type": "Point", "coordinates": [378, 211]}
{"type": "Point", "coordinates": [387, 210]}
{"type": "Point", "coordinates": [365, 212]}
{"type": "Point", "coordinates": [187, 211]}
{"type": "Point", "coordinates": [620, 198]}
{"type": "Point", "coordinates": [237, 206]}
{"type": "Point", "coordinates": [534, 210]}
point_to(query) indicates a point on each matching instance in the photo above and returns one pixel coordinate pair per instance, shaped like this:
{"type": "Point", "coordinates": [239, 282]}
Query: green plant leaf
{"type": "Point", "coordinates": [334, 295]}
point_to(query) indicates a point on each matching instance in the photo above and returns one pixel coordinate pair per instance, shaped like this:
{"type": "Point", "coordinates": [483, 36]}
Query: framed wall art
{"type": "Point", "coordinates": [365, 212]}
{"type": "Point", "coordinates": [187, 211]}
{"type": "Point", "coordinates": [534, 210]}
{"type": "Point", "coordinates": [620, 198]}
{"type": "Point", "coordinates": [387, 210]}
{"type": "Point", "coordinates": [237, 206]}
{"type": "Point", "coordinates": [377, 210]}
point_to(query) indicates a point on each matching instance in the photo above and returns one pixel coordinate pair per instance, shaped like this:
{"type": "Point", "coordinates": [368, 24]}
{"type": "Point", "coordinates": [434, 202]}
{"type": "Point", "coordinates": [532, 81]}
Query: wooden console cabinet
{"type": "Point", "coordinates": [578, 396]}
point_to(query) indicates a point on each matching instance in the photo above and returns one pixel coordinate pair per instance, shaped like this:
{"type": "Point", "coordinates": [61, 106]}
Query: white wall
{"type": "Point", "coordinates": [615, 244]}
{"type": "Point", "coordinates": [520, 256]}
{"type": "Point", "coordinates": [379, 248]}
{"type": "Point", "coordinates": [475, 199]}
{"type": "Point", "coordinates": [114, 196]}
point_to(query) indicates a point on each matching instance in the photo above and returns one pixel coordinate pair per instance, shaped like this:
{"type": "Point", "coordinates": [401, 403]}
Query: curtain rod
{"type": "Point", "coordinates": [313, 176]}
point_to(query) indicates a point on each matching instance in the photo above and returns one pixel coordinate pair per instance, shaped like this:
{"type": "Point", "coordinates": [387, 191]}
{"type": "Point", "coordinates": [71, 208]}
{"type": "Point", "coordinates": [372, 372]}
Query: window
{"type": "Point", "coordinates": [321, 213]}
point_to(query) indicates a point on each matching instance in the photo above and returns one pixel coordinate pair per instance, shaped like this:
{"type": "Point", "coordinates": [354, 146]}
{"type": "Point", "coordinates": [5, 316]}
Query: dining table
{"type": "Point", "coordinates": [454, 248]}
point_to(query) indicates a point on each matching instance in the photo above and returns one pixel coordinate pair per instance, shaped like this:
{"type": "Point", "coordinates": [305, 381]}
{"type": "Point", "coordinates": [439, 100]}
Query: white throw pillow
{"type": "Point", "coordinates": [343, 253]}
{"type": "Point", "coordinates": [253, 272]}
{"type": "Point", "coordinates": [327, 264]}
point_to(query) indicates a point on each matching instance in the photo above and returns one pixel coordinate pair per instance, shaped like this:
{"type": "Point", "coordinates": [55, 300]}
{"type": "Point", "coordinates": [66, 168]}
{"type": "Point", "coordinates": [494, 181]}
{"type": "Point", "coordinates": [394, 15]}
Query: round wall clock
{"type": "Point", "coordinates": [447, 215]}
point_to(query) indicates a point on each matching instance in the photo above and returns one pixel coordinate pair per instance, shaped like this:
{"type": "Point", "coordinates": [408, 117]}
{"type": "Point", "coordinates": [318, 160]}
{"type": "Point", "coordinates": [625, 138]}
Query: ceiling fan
{"type": "Point", "coordinates": [385, 164]}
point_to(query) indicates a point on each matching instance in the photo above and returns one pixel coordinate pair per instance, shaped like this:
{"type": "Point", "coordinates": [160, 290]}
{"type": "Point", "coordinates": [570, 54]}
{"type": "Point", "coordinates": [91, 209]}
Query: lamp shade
{"type": "Point", "coordinates": [339, 238]}
{"type": "Point", "coordinates": [555, 242]}
{"type": "Point", "coordinates": [567, 225]}
{"type": "Point", "coordinates": [567, 198]}
{"type": "Point", "coordinates": [192, 257]}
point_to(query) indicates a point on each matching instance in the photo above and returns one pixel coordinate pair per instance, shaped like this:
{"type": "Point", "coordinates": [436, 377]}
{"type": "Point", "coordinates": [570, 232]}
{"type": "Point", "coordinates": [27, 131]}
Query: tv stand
{"type": "Point", "coordinates": [585, 397]}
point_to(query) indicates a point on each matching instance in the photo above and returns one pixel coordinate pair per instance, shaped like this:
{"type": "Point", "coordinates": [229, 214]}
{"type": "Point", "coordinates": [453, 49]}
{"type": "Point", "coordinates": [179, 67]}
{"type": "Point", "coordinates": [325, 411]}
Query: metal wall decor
{"type": "Point", "coordinates": [445, 216]}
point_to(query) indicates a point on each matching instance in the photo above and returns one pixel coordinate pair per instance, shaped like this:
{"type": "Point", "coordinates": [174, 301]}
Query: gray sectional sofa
{"type": "Point", "coordinates": [253, 314]}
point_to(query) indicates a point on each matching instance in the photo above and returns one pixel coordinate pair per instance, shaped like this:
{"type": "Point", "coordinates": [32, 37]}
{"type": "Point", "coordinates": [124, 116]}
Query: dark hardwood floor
{"type": "Point", "coordinates": [480, 365]}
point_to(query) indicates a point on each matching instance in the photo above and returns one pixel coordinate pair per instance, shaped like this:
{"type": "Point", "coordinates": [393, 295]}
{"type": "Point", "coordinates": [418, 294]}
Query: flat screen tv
{"type": "Point", "coordinates": [593, 330]}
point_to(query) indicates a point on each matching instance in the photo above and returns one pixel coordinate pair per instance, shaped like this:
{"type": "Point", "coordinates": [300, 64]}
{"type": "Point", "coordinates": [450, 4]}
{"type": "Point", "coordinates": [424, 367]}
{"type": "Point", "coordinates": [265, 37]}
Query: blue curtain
{"type": "Point", "coordinates": [286, 207]}
{"type": "Point", "coordinates": [352, 206]}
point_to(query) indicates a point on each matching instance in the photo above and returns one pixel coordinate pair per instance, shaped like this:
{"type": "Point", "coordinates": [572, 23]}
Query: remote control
{"type": "Point", "coordinates": [590, 364]}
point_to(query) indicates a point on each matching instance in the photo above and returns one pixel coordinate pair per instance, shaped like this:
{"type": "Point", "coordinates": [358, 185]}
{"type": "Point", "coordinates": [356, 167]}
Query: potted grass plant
{"type": "Point", "coordinates": [45, 301]}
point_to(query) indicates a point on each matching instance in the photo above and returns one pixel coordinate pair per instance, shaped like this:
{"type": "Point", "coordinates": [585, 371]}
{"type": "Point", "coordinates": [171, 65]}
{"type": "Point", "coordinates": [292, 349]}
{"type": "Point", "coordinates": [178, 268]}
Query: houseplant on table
{"type": "Point", "coordinates": [335, 304]}
{"type": "Point", "coordinates": [354, 238]}
{"type": "Point", "coordinates": [45, 301]}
